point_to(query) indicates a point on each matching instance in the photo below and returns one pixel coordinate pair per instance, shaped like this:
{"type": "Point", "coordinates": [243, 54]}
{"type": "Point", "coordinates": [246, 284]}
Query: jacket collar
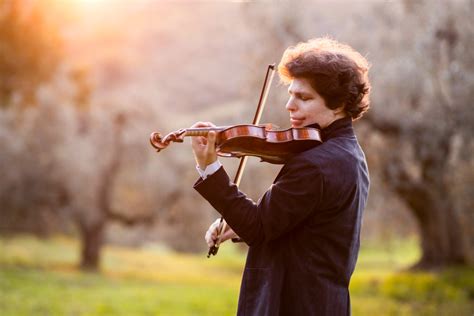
{"type": "Point", "coordinates": [338, 128]}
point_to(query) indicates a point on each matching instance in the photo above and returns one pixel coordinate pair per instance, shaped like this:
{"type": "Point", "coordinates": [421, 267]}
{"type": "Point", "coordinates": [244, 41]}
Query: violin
{"type": "Point", "coordinates": [272, 146]}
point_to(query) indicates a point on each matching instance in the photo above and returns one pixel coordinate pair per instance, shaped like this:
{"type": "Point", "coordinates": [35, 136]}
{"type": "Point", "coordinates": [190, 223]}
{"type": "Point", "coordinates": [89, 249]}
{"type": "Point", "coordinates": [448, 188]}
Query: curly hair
{"type": "Point", "coordinates": [335, 70]}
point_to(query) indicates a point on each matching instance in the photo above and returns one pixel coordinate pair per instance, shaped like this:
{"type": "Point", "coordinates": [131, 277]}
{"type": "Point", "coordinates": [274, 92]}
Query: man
{"type": "Point", "coordinates": [304, 231]}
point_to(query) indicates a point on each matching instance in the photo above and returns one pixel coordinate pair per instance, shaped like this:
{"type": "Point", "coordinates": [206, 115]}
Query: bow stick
{"type": "Point", "coordinates": [243, 161]}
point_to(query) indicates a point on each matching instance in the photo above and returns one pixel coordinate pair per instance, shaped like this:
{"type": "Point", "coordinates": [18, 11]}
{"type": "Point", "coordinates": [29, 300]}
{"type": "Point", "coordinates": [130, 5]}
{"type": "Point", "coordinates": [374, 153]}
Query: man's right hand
{"type": "Point", "coordinates": [211, 234]}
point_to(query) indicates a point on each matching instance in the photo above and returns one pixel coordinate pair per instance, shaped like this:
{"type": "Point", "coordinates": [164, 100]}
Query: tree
{"type": "Point", "coordinates": [91, 218]}
{"type": "Point", "coordinates": [26, 60]}
{"type": "Point", "coordinates": [430, 92]}
{"type": "Point", "coordinates": [41, 132]}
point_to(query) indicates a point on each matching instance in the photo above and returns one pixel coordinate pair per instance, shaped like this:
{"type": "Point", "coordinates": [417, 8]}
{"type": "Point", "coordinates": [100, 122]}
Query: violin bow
{"type": "Point", "coordinates": [243, 160]}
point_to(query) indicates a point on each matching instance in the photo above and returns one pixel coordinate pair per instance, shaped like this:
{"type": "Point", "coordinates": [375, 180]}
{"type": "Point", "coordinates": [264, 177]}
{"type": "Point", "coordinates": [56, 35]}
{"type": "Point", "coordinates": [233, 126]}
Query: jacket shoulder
{"type": "Point", "coordinates": [343, 154]}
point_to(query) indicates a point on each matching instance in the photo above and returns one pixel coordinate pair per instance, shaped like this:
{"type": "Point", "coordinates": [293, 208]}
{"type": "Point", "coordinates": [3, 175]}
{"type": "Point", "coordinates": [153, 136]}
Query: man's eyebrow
{"type": "Point", "coordinates": [291, 91]}
{"type": "Point", "coordinates": [298, 92]}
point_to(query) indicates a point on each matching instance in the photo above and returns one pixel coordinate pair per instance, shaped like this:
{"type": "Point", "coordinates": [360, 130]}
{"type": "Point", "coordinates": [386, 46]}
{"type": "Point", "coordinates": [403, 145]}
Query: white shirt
{"type": "Point", "coordinates": [210, 169]}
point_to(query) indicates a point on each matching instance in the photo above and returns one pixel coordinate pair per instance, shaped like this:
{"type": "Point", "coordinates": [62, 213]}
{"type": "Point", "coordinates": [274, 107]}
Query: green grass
{"type": "Point", "coordinates": [40, 277]}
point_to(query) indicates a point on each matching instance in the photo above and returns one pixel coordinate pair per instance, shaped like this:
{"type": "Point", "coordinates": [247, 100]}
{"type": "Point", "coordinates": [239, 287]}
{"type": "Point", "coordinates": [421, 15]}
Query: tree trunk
{"type": "Point", "coordinates": [92, 226]}
{"type": "Point", "coordinates": [92, 241]}
{"type": "Point", "coordinates": [441, 237]}
{"type": "Point", "coordinates": [443, 241]}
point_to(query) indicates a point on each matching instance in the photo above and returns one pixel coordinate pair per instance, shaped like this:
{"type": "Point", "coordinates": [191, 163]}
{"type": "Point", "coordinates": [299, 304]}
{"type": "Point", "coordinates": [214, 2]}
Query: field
{"type": "Point", "coordinates": [40, 277]}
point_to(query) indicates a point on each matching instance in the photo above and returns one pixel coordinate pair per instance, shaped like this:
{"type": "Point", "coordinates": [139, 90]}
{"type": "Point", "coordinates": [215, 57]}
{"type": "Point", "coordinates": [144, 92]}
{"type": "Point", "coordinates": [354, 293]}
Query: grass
{"type": "Point", "coordinates": [40, 277]}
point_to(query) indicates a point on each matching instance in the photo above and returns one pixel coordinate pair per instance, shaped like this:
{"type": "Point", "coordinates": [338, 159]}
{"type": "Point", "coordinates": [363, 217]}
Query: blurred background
{"type": "Point", "coordinates": [94, 222]}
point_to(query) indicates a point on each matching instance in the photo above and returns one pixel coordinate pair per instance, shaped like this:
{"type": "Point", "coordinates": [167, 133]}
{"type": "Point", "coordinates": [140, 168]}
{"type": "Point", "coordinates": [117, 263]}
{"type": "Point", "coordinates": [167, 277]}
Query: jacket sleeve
{"type": "Point", "coordinates": [286, 203]}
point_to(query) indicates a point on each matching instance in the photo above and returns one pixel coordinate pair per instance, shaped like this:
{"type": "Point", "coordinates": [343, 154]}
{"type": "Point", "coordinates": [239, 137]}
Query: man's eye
{"type": "Point", "coordinates": [304, 98]}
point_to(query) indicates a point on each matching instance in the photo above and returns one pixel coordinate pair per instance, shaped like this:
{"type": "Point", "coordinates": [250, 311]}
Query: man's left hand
{"type": "Point", "coordinates": [204, 148]}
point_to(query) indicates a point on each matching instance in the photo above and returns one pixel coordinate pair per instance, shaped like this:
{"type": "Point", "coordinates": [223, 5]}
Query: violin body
{"type": "Point", "coordinates": [273, 146]}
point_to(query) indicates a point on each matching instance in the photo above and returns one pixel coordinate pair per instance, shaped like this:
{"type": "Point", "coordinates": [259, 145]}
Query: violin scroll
{"type": "Point", "coordinates": [160, 143]}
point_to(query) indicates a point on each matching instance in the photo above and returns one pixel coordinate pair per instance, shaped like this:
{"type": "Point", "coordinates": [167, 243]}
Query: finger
{"type": "Point", "coordinates": [197, 124]}
{"type": "Point", "coordinates": [215, 232]}
{"type": "Point", "coordinates": [196, 140]}
{"type": "Point", "coordinates": [211, 233]}
{"type": "Point", "coordinates": [211, 140]}
{"type": "Point", "coordinates": [216, 223]}
{"type": "Point", "coordinates": [201, 124]}
{"type": "Point", "coordinates": [228, 235]}
{"type": "Point", "coordinates": [209, 240]}
{"type": "Point", "coordinates": [211, 237]}
{"type": "Point", "coordinates": [199, 141]}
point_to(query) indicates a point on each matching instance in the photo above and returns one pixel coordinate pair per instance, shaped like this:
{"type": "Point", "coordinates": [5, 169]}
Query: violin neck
{"type": "Point", "coordinates": [202, 131]}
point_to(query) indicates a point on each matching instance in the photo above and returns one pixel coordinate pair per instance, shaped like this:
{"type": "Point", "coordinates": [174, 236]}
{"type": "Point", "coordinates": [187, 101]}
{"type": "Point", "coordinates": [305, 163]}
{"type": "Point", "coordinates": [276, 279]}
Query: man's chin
{"type": "Point", "coordinates": [297, 123]}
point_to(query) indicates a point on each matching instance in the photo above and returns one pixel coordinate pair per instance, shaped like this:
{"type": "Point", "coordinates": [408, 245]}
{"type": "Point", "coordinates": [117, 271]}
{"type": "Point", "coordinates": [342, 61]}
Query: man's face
{"type": "Point", "coordinates": [306, 106]}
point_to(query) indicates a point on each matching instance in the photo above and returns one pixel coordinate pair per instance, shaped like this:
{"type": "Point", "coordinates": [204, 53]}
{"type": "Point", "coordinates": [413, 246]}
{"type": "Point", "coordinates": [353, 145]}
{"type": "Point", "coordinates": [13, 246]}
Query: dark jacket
{"type": "Point", "coordinates": [304, 231]}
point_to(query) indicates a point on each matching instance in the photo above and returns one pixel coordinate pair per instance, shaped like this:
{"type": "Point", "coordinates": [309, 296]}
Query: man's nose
{"type": "Point", "coordinates": [290, 105]}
